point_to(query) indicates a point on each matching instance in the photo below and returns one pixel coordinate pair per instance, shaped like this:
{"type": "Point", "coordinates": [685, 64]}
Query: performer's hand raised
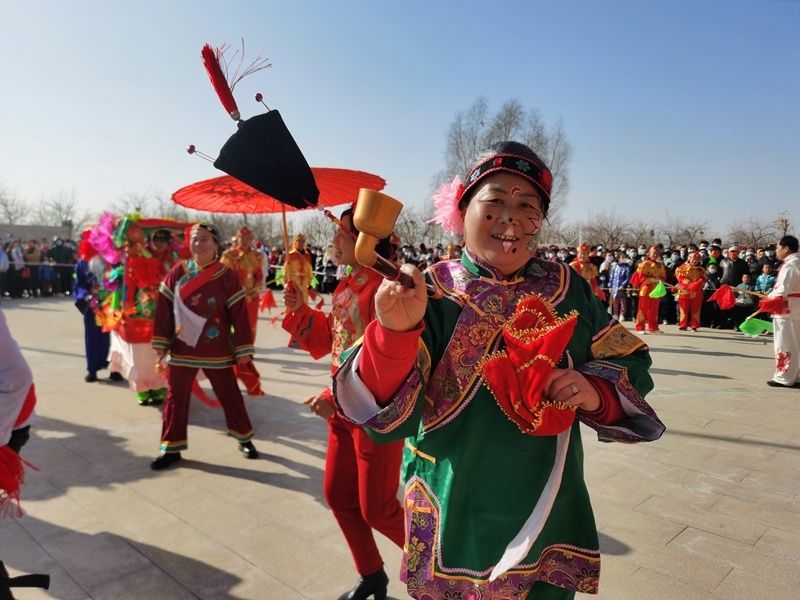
{"type": "Point", "coordinates": [399, 308]}
{"type": "Point", "coordinates": [292, 300]}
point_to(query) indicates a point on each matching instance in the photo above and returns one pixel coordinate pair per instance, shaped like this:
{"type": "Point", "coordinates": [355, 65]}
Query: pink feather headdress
{"type": "Point", "coordinates": [447, 214]}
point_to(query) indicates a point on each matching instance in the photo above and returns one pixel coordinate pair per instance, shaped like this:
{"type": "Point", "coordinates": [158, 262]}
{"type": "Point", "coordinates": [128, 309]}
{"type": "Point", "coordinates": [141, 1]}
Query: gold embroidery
{"type": "Point", "coordinates": [528, 363]}
{"type": "Point", "coordinates": [616, 343]}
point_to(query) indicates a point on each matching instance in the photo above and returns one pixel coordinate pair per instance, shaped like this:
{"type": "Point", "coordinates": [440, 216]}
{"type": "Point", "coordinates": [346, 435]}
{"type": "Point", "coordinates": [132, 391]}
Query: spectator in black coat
{"type": "Point", "coordinates": [733, 268]}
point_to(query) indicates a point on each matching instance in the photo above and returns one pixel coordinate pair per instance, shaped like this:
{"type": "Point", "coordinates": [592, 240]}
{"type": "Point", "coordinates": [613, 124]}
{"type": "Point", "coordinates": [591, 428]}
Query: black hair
{"type": "Point", "coordinates": [385, 247]}
{"type": "Point", "coordinates": [790, 242]}
{"type": "Point", "coordinates": [506, 147]}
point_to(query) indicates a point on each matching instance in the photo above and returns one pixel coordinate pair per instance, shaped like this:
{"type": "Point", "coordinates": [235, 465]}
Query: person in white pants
{"type": "Point", "coordinates": [787, 324]}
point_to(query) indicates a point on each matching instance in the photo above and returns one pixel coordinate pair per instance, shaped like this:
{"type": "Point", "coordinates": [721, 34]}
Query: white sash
{"type": "Point", "coordinates": [188, 324]}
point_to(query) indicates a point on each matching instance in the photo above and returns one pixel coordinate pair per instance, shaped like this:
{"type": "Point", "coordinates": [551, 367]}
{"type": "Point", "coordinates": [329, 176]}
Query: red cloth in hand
{"type": "Point", "coordinates": [535, 340]}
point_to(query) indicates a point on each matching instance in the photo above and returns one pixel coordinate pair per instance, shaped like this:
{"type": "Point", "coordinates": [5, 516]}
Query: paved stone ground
{"type": "Point", "coordinates": [709, 511]}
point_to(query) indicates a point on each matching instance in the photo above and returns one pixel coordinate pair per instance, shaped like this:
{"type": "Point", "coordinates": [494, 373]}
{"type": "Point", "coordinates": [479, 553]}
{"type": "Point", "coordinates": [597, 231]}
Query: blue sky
{"type": "Point", "coordinates": [686, 107]}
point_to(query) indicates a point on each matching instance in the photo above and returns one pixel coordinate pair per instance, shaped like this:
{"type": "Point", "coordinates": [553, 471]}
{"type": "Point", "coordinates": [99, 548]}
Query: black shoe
{"type": "Point", "coordinates": [90, 377]}
{"type": "Point", "coordinates": [773, 383]}
{"type": "Point", "coordinates": [114, 376]}
{"type": "Point", "coordinates": [165, 459]}
{"type": "Point", "coordinates": [369, 585]}
{"type": "Point", "coordinates": [248, 449]}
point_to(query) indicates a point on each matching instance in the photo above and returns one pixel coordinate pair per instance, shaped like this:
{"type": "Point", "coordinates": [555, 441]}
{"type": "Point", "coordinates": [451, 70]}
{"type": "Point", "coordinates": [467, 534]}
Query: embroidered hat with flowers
{"type": "Point", "coordinates": [451, 197]}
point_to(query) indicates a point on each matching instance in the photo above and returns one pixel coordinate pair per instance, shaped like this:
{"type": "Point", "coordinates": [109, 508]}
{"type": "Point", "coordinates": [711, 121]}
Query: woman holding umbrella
{"type": "Point", "coordinates": [201, 322]}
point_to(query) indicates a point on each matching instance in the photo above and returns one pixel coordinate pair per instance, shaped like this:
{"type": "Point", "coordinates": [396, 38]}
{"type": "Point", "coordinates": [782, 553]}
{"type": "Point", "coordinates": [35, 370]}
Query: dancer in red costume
{"type": "Point", "coordinates": [587, 270]}
{"type": "Point", "coordinates": [202, 323]}
{"type": "Point", "coordinates": [361, 475]}
{"type": "Point", "coordinates": [690, 276]}
{"type": "Point", "coordinates": [247, 263]}
{"type": "Point", "coordinates": [648, 274]}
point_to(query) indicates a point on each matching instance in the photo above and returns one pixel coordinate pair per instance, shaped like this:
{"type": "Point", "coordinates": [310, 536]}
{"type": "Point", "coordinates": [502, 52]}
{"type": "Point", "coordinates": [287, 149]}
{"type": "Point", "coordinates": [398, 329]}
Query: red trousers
{"type": "Point", "coordinates": [252, 315]}
{"type": "Point", "coordinates": [647, 313]}
{"type": "Point", "coordinates": [690, 310]}
{"type": "Point", "coordinates": [249, 375]}
{"type": "Point", "coordinates": [174, 437]}
{"type": "Point", "coordinates": [361, 481]}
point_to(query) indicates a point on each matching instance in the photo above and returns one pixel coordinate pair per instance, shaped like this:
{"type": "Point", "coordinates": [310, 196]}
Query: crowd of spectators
{"type": "Point", "coordinates": [41, 268]}
{"type": "Point", "coordinates": [34, 268]}
{"type": "Point", "coordinates": [747, 269]}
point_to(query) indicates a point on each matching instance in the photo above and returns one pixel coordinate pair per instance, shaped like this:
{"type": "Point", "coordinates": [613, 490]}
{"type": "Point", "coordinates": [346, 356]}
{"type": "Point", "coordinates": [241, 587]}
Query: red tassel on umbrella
{"type": "Point", "coordinates": [267, 301]}
{"type": "Point", "coordinates": [218, 80]}
{"type": "Point", "coordinates": [724, 297]}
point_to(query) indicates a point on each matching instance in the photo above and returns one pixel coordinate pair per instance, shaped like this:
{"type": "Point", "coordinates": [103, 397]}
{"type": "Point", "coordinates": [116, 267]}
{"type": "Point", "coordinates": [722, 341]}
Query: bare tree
{"type": "Point", "coordinates": [559, 232]}
{"type": "Point", "coordinates": [677, 230]}
{"type": "Point", "coordinates": [607, 228]}
{"type": "Point", "coordinates": [318, 230]}
{"type": "Point", "coordinates": [413, 228]}
{"type": "Point", "coordinates": [60, 209]}
{"type": "Point", "coordinates": [752, 231]}
{"type": "Point", "coordinates": [782, 224]}
{"type": "Point", "coordinates": [640, 233]}
{"type": "Point", "coordinates": [475, 129]}
{"type": "Point", "coordinates": [12, 209]}
{"type": "Point", "coordinates": [267, 228]}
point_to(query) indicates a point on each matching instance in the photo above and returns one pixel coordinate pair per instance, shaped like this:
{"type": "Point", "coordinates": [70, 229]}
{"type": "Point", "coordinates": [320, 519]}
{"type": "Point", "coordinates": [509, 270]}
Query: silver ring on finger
{"type": "Point", "coordinates": [574, 389]}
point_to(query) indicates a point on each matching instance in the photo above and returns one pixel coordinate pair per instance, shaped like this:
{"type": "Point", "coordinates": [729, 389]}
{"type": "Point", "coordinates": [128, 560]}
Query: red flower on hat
{"type": "Point", "coordinates": [445, 202]}
{"type": "Point", "coordinates": [497, 161]}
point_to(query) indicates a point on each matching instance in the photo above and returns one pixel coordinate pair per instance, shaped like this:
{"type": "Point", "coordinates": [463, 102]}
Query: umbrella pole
{"type": "Point", "coordinates": [285, 231]}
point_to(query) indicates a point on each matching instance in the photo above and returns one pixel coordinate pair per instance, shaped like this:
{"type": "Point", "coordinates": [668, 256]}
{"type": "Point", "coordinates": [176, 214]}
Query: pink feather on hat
{"type": "Point", "coordinates": [445, 200]}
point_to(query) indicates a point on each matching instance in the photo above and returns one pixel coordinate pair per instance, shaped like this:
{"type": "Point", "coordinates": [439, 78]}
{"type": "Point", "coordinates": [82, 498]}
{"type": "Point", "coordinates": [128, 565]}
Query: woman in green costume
{"type": "Point", "coordinates": [495, 500]}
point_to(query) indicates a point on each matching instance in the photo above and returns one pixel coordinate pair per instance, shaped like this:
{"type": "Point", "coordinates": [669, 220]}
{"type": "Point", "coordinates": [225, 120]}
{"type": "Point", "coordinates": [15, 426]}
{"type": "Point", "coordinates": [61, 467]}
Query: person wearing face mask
{"type": "Point", "coordinates": [769, 257]}
{"type": "Point", "coordinates": [691, 276]}
{"type": "Point", "coordinates": [732, 268]}
{"type": "Point", "coordinates": [619, 277]}
{"type": "Point", "coordinates": [496, 505]}
{"type": "Point", "coordinates": [632, 293]}
{"type": "Point", "coordinates": [711, 314]}
{"type": "Point", "coordinates": [703, 256]}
